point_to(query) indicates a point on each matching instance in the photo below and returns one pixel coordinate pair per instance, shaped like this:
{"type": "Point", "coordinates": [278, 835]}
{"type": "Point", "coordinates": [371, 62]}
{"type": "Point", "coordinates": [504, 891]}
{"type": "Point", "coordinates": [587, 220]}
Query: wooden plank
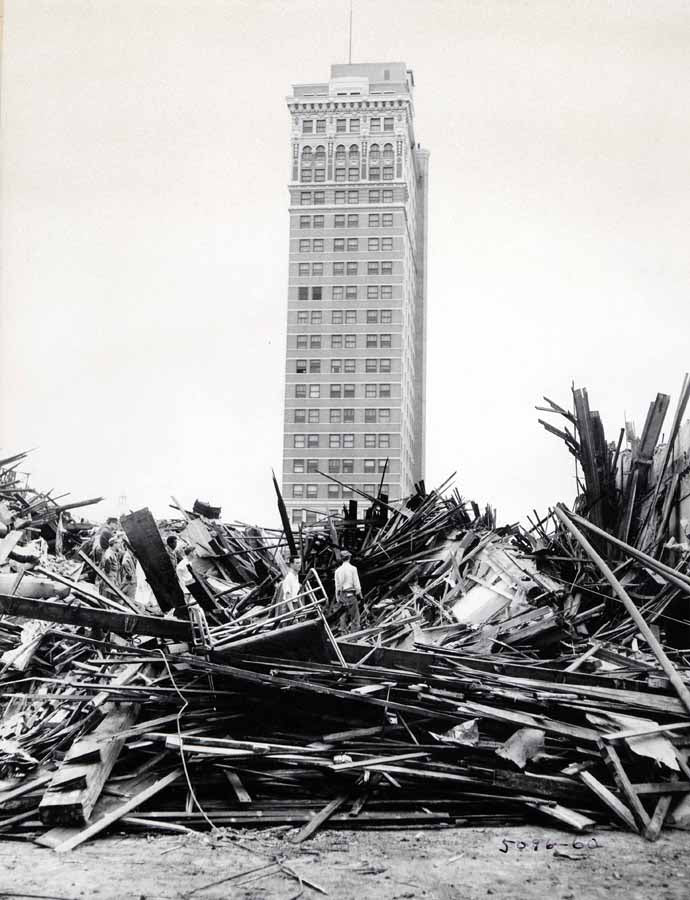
{"type": "Point", "coordinates": [616, 766]}
{"type": "Point", "coordinates": [26, 787]}
{"type": "Point", "coordinates": [379, 761]}
{"type": "Point", "coordinates": [122, 810]}
{"type": "Point", "coordinates": [608, 798]}
{"type": "Point", "coordinates": [119, 622]}
{"type": "Point", "coordinates": [321, 817]}
{"type": "Point", "coordinates": [241, 793]}
{"type": "Point", "coordinates": [653, 830]}
{"type": "Point", "coordinates": [145, 540]}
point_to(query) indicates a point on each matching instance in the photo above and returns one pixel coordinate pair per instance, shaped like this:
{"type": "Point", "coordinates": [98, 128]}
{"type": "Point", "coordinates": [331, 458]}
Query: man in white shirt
{"type": "Point", "coordinates": [290, 588]}
{"type": "Point", "coordinates": [348, 593]}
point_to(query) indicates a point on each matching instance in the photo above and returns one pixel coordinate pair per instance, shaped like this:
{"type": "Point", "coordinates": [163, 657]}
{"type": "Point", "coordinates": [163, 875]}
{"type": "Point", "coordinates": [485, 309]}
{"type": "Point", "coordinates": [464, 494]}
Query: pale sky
{"type": "Point", "coordinates": [145, 232]}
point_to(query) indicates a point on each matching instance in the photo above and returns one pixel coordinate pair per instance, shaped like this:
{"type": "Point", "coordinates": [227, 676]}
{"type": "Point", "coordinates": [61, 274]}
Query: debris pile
{"type": "Point", "coordinates": [496, 674]}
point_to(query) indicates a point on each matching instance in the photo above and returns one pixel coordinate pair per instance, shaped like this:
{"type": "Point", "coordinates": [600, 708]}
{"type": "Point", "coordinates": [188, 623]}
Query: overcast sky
{"type": "Point", "coordinates": [145, 232]}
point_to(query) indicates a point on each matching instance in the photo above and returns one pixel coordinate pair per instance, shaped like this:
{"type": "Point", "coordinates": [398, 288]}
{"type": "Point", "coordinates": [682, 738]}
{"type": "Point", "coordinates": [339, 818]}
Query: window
{"type": "Point", "coordinates": [314, 366]}
{"type": "Point", "coordinates": [354, 126]}
{"type": "Point", "coordinates": [302, 293]}
{"type": "Point", "coordinates": [348, 391]}
{"type": "Point", "coordinates": [302, 317]}
{"type": "Point", "coordinates": [387, 243]}
{"type": "Point", "coordinates": [296, 516]}
{"type": "Point", "coordinates": [319, 200]}
{"type": "Point", "coordinates": [387, 267]}
{"type": "Point", "coordinates": [374, 196]}
{"type": "Point", "coordinates": [304, 245]}
{"type": "Point", "coordinates": [372, 292]}
{"type": "Point", "coordinates": [374, 153]}
{"type": "Point", "coordinates": [388, 153]}
{"type": "Point", "coordinates": [336, 391]}
{"type": "Point", "coordinates": [386, 292]}
{"type": "Point", "coordinates": [351, 268]}
{"type": "Point", "coordinates": [374, 220]}
{"type": "Point", "coordinates": [385, 341]}
{"type": "Point", "coordinates": [317, 243]}
{"type": "Point", "coordinates": [312, 490]}
{"type": "Point", "coordinates": [384, 414]}
{"type": "Point", "coordinates": [305, 221]}
{"type": "Point", "coordinates": [348, 441]}
{"type": "Point", "coordinates": [386, 316]}
{"type": "Point", "coordinates": [370, 365]}
{"type": "Point", "coordinates": [300, 366]}
{"type": "Point", "coordinates": [336, 366]}
{"type": "Point", "coordinates": [353, 174]}
{"type": "Point", "coordinates": [372, 341]}
{"type": "Point", "coordinates": [340, 125]}
{"type": "Point", "coordinates": [312, 465]}
{"type": "Point", "coordinates": [318, 220]}
{"type": "Point", "coordinates": [310, 517]}
{"type": "Point", "coordinates": [387, 196]}
{"type": "Point", "coordinates": [335, 416]}
{"type": "Point", "coordinates": [353, 220]}
{"type": "Point", "coordinates": [353, 197]}
{"type": "Point", "coordinates": [340, 174]}
{"type": "Point", "coordinates": [300, 415]}
{"type": "Point", "coordinates": [338, 245]}
{"type": "Point", "coordinates": [369, 489]}
{"type": "Point", "coordinates": [333, 465]}
{"type": "Point", "coordinates": [374, 125]}
{"type": "Point", "coordinates": [305, 175]}
{"type": "Point", "coordinates": [333, 491]}
{"type": "Point", "coordinates": [320, 174]}
{"type": "Point", "coordinates": [369, 465]}
{"type": "Point", "coordinates": [317, 293]}
{"type": "Point", "coordinates": [384, 390]}
{"type": "Point", "coordinates": [338, 268]}
{"type": "Point", "coordinates": [334, 441]}
{"type": "Point", "coordinates": [384, 365]}
{"type": "Point", "coordinates": [339, 197]}
{"type": "Point", "coordinates": [313, 416]}
{"type": "Point", "coordinates": [372, 316]}
{"type": "Point", "coordinates": [351, 316]}
{"type": "Point", "coordinates": [387, 220]}
{"type": "Point", "coordinates": [350, 340]}
{"type": "Point", "coordinates": [315, 390]}
{"type": "Point", "coordinates": [384, 440]}
{"type": "Point", "coordinates": [370, 415]}
{"type": "Point", "coordinates": [320, 126]}
{"type": "Point", "coordinates": [316, 317]}
{"type": "Point", "coordinates": [373, 243]}
{"type": "Point", "coordinates": [339, 221]}
{"type": "Point", "coordinates": [348, 466]}
{"type": "Point", "coordinates": [374, 174]}
{"type": "Point", "coordinates": [337, 292]}
{"type": "Point", "coordinates": [303, 269]}
{"type": "Point", "coordinates": [353, 244]}
{"type": "Point", "coordinates": [298, 465]}
{"type": "Point", "coordinates": [307, 126]}
{"type": "Point", "coordinates": [298, 440]}
{"type": "Point", "coordinates": [298, 490]}
{"type": "Point", "coordinates": [349, 365]}
{"type": "Point", "coordinates": [305, 198]}
{"type": "Point", "coordinates": [337, 317]}
{"type": "Point", "coordinates": [300, 390]}
{"type": "Point", "coordinates": [336, 341]}
{"type": "Point", "coordinates": [372, 267]}
{"type": "Point", "coordinates": [351, 293]}
{"type": "Point", "coordinates": [312, 440]}
{"type": "Point", "coordinates": [388, 124]}
{"type": "Point", "coordinates": [369, 440]}
{"type": "Point", "coordinates": [348, 415]}
{"type": "Point", "coordinates": [370, 391]}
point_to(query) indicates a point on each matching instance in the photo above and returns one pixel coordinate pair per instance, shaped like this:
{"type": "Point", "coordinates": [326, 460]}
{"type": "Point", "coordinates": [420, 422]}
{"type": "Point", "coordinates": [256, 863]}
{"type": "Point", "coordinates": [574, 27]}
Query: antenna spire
{"type": "Point", "coordinates": [349, 59]}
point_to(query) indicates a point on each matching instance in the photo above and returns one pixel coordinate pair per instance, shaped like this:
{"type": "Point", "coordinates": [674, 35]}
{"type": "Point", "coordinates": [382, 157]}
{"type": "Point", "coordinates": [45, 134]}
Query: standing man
{"type": "Point", "coordinates": [348, 593]}
{"type": "Point", "coordinates": [290, 588]}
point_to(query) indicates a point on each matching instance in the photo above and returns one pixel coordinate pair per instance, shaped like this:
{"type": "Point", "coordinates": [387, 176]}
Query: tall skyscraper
{"type": "Point", "coordinates": [355, 361]}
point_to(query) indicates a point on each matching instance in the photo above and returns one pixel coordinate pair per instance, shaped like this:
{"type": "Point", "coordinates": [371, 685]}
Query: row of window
{"type": "Point", "coordinates": [345, 268]}
{"type": "Point", "coordinates": [338, 440]}
{"type": "Point", "coordinates": [318, 154]}
{"type": "Point", "coordinates": [317, 245]}
{"type": "Point", "coordinates": [334, 491]}
{"type": "Point", "coordinates": [376, 124]}
{"type": "Point", "coordinates": [347, 466]}
{"type": "Point", "coordinates": [346, 292]}
{"type": "Point", "coordinates": [338, 416]}
{"type": "Point", "coordinates": [318, 198]}
{"type": "Point", "coordinates": [313, 366]}
{"type": "Point", "coordinates": [344, 316]}
{"type": "Point", "coordinates": [381, 391]}
{"type": "Point", "coordinates": [375, 173]}
{"type": "Point", "coordinates": [338, 341]}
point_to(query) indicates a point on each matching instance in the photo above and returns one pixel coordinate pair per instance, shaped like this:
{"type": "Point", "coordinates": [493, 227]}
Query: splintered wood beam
{"type": "Point", "coordinates": [653, 830]}
{"type": "Point", "coordinates": [609, 799]}
{"type": "Point", "coordinates": [615, 765]}
{"type": "Point", "coordinates": [144, 537]}
{"type": "Point", "coordinates": [321, 817]}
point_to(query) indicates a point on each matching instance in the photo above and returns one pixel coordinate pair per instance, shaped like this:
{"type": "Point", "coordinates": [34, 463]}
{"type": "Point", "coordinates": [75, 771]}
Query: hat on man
{"type": "Point", "coordinates": [345, 554]}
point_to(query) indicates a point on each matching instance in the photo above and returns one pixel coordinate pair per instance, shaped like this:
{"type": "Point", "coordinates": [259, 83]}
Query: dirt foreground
{"type": "Point", "coordinates": [446, 864]}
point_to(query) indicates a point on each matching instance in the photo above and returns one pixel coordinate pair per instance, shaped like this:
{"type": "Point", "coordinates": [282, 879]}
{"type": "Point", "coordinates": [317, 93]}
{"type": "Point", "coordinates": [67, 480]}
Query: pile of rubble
{"type": "Point", "coordinates": [154, 675]}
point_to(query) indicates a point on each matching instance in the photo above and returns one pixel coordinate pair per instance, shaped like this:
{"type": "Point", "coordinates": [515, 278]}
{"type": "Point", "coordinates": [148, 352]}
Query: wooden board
{"type": "Point", "coordinates": [144, 537]}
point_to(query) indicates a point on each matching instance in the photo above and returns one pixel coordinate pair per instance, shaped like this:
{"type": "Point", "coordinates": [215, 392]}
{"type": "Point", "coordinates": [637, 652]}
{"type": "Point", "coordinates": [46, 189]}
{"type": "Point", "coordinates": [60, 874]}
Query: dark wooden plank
{"type": "Point", "coordinates": [144, 537]}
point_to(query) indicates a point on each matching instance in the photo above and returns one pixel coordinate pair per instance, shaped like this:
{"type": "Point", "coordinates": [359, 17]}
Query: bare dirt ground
{"type": "Point", "coordinates": [460, 863]}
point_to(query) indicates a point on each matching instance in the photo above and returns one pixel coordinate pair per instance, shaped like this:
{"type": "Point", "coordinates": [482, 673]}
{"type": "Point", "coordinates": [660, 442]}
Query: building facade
{"type": "Point", "coordinates": [355, 360]}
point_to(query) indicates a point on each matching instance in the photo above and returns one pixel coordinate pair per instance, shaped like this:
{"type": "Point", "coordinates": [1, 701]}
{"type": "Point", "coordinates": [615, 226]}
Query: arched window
{"type": "Point", "coordinates": [320, 155]}
{"type": "Point", "coordinates": [388, 151]}
{"type": "Point", "coordinates": [306, 156]}
{"type": "Point", "coordinates": [374, 154]}
{"type": "Point", "coordinates": [340, 153]}
{"type": "Point", "coordinates": [354, 150]}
